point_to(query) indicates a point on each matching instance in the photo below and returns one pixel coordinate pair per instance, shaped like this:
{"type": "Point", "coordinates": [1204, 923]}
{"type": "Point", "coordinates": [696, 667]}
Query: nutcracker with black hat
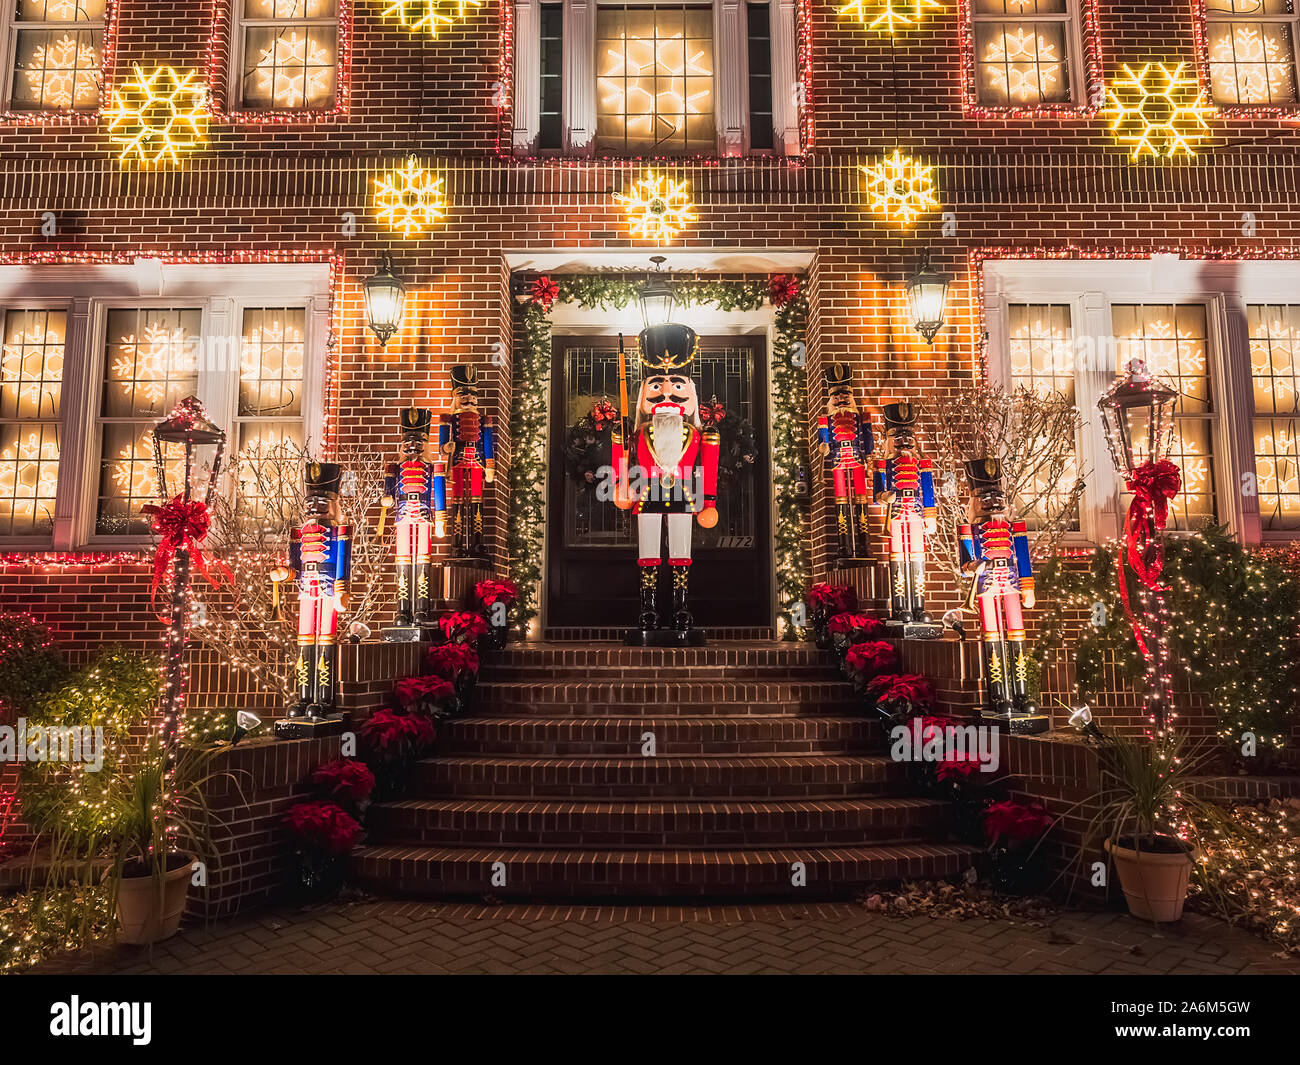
{"type": "Point", "coordinates": [465, 444]}
{"type": "Point", "coordinates": [846, 445]}
{"type": "Point", "coordinates": [994, 553]}
{"type": "Point", "coordinates": [320, 563]}
{"type": "Point", "coordinates": [904, 483]}
{"type": "Point", "coordinates": [412, 486]}
{"type": "Point", "coordinates": [668, 476]}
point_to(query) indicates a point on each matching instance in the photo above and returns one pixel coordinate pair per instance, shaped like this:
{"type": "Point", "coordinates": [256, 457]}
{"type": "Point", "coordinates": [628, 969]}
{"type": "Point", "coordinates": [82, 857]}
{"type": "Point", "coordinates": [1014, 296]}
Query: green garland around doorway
{"type": "Point", "coordinates": [532, 389]}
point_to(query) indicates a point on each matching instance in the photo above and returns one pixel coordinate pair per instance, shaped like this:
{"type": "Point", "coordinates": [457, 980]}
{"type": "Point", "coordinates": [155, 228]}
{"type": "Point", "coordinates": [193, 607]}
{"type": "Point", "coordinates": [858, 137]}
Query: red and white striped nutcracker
{"type": "Point", "coordinates": [410, 486]}
{"type": "Point", "coordinates": [670, 477]}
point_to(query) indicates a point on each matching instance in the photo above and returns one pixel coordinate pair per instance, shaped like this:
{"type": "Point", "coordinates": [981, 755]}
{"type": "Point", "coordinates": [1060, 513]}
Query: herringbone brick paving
{"type": "Point", "coordinates": [433, 938]}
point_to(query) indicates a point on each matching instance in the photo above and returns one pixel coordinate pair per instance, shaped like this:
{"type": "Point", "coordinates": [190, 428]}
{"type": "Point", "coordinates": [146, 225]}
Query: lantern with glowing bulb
{"type": "Point", "coordinates": [656, 296]}
{"type": "Point", "coordinates": [385, 301]}
{"type": "Point", "coordinates": [927, 299]}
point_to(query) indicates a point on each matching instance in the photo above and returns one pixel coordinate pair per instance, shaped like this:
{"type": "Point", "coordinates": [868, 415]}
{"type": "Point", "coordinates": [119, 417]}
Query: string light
{"type": "Point", "coordinates": [1158, 110]}
{"type": "Point", "coordinates": [889, 16]}
{"type": "Point", "coordinates": [294, 70]}
{"type": "Point", "coordinates": [657, 207]}
{"type": "Point", "coordinates": [64, 74]}
{"type": "Point", "coordinates": [1204, 67]}
{"type": "Point", "coordinates": [157, 116]}
{"type": "Point", "coordinates": [428, 16]}
{"type": "Point", "coordinates": [900, 189]}
{"type": "Point", "coordinates": [409, 200]}
{"type": "Point", "coordinates": [101, 80]}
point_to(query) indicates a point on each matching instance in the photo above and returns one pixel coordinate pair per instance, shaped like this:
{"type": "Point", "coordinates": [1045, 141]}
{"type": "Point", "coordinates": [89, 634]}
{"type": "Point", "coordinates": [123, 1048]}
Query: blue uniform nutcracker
{"type": "Point", "coordinates": [904, 483]}
{"type": "Point", "coordinates": [466, 454]}
{"type": "Point", "coordinates": [846, 445]}
{"type": "Point", "coordinates": [414, 487]}
{"type": "Point", "coordinates": [995, 554]}
{"type": "Point", "coordinates": [320, 563]}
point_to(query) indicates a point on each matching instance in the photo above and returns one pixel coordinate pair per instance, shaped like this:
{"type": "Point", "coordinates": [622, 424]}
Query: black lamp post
{"type": "Point", "coordinates": [385, 301]}
{"type": "Point", "coordinates": [656, 296]}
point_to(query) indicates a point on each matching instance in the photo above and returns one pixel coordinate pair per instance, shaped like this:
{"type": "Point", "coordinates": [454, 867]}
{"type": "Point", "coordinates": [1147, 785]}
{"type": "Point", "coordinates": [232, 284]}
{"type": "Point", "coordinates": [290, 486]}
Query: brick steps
{"type": "Point", "coordinates": [677, 736]}
{"type": "Point", "coordinates": [603, 698]}
{"type": "Point", "coordinates": [849, 822]}
{"type": "Point", "coordinates": [661, 778]}
{"type": "Point", "coordinates": [576, 873]}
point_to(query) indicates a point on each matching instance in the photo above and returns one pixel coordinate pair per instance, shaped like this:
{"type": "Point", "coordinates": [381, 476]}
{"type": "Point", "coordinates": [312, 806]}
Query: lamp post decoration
{"type": "Point", "coordinates": [1137, 416]}
{"type": "Point", "coordinates": [385, 301]}
{"type": "Point", "coordinates": [927, 299]}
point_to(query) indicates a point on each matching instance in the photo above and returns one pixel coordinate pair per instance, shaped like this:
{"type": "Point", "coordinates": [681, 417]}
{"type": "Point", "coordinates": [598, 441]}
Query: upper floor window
{"type": "Point", "coordinates": [655, 79]}
{"type": "Point", "coordinates": [1251, 46]}
{"type": "Point", "coordinates": [53, 56]}
{"type": "Point", "coordinates": [285, 53]}
{"type": "Point", "coordinates": [1028, 53]}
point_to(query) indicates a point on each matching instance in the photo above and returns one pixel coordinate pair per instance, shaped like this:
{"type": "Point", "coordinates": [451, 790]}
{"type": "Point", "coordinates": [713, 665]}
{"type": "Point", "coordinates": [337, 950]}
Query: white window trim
{"type": "Point", "coordinates": [731, 76]}
{"type": "Point", "coordinates": [1090, 288]}
{"type": "Point", "coordinates": [1292, 20]}
{"type": "Point", "coordinates": [222, 291]}
{"type": "Point", "coordinates": [235, 73]}
{"type": "Point", "coordinates": [9, 27]}
{"type": "Point", "coordinates": [1074, 43]}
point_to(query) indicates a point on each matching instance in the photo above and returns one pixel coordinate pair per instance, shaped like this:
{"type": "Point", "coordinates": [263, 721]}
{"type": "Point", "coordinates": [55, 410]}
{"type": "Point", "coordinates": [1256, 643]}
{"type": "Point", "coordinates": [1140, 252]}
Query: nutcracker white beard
{"type": "Point", "coordinates": [668, 438]}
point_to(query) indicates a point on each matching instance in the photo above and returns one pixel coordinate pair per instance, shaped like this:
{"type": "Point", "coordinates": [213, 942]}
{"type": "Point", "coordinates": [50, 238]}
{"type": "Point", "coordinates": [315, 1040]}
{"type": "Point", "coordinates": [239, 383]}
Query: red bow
{"type": "Point", "coordinates": [603, 412]}
{"type": "Point", "coordinates": [782, 289]}
{"type": "Point", "coordinates": [1153, 485]}
{"type": "Point", "coordinates": [182, 524]}
{"type": "Point", "coordinates": [712, 413]}
{"type": "Point", "coordinates": [545, 291]}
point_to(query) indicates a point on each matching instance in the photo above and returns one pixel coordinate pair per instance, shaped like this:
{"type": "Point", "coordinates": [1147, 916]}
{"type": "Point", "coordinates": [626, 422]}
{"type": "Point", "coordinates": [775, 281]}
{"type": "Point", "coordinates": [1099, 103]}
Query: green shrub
{"type": "Point", "coordinates": [30, 665]}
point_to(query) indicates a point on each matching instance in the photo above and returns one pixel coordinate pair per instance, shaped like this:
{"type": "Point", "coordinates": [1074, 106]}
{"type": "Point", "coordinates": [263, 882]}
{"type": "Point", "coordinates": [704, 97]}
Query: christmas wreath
{"type": "Point", "coordinates": [737, 451]}
{"type": "Point", "coordinates": [587, 443]}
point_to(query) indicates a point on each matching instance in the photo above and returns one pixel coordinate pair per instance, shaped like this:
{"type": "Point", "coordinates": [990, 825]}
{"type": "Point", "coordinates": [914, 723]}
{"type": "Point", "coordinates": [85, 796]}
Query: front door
{"type": "Point", "coordinates": [591, 558]}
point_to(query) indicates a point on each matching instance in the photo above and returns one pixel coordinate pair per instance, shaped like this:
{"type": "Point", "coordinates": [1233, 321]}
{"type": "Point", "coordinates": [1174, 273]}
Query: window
{"type": "Point", "coordinates": [31, 391]}
{"type": "Point", "coordinates": [1251, 46]}
{"type": "Point", "coordinates": [1275, 380]}
{"type": "Point", "coordinates": [655, 79]}
{"type": "Point", "coordinates": [54, 54]}
{"type": "Point", "coordinates": [286, 52]}
{"type": "Point", "coordinates": [92, 361]}
{"type": "Point", "coordinates": [1026, 52]}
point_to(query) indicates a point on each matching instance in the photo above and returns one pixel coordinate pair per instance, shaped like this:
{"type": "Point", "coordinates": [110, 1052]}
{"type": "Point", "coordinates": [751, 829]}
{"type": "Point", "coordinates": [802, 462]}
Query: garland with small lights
{"type": "Point", "coordinates": [1230, 622]}
{"type": "Point", "coordinates": [532, 389]}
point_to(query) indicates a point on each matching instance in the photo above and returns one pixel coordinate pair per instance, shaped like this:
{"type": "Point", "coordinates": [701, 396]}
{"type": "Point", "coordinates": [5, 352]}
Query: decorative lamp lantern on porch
{"type": "Point", "coordinates": [1137, 416]}
{"type": "Point", "coordinates": [927, 298]}
{"type": "Point", "coordinates": [656, 296]}
{"type": "Point", "coordinates": [385, 301]}
{"type": "Point", "coordinates": [181, 521]}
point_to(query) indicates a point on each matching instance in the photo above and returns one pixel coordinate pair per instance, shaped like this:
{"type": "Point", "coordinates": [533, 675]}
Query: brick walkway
{"type": "Point", "coordinates": [425, 938]}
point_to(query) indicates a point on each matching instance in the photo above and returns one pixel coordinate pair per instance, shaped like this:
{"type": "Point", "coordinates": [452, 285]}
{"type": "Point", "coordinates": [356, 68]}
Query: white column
{"type": "Point", "coordinates": [78, 404]}
{"type": "Point", "coordinates": [787, 91]}
{"type": "Point", "coordinates": [730, 75]}
{"type": "Point", "coordinates": [526, 93]}
{"type": "Point", "coordinates": [580, 73]}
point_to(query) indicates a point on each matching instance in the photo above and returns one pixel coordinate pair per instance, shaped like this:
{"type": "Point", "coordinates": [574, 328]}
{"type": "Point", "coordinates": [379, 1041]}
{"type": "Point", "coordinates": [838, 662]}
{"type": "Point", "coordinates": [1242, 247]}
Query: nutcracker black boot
{"type": "Point", "coordinates": [422, 593]}
{"type": "Point", "coordinates": [305, 668]}
{"type": "Point", "coordinates": [996, 702]}
{"type": "Point", "coordinates": [476, 538]}
{"type": "Point", "coordinates": [1019, 678]}
{"type": "Point", "coordinates": [681, 587]}
{"type": "Point", "coordinates": [326, 663]}
{"type": "Point", "coordinates": [649, 619]}
{"type": "Point", "coordinates": [918, 592]}
{"type": "Point", "coordinates": [898, 600]}
{"type": "Point", "coordinates": [845, 522]}
{"type": "Point", "coordinates": [405, 580]}
{"type": "Point", "coordinates": [864, 529]}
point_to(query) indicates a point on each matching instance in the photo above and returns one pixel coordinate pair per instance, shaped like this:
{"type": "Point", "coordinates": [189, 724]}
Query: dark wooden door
{"type": "Point", "coordinates": [591, 555]}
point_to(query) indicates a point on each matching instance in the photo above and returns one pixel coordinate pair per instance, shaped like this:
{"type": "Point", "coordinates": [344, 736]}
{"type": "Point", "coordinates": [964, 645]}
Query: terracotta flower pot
{"type": "Point", "coordinates": [143, 917]}
{"type": "Point", "coordinates": [1154, 883]}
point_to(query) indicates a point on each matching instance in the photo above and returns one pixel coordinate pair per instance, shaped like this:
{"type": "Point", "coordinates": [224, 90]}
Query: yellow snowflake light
{"type": "Point", "coordinates": [292, 74]}
{"type": "Point", "coordinates": [657, 207]}
{"type": "Point", "coordinates": [428, 16]}
{"type": "Point", "coordinates": [156, 116]}
{"type": "Point", "coordinates": [900, 189]}
{"type": "Point", "coordinates": [1158, 110]}
{"type": "Point", "coordinates": [889, 16]}
{"type": "Point", "coordinates": [409, 200]}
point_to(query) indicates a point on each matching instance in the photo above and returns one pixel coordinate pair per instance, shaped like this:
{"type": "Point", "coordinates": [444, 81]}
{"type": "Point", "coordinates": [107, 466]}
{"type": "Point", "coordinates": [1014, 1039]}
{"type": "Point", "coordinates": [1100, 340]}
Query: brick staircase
{"type": "Point", "coordinates": [762, 760]}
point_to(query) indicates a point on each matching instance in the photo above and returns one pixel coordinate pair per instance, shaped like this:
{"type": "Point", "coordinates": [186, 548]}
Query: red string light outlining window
{"type": "Point", "coordinates": [1201, 40]}
{"type": "Point", "coordinates": [1094, 76]}
{"type": "Point", "coordinates": [49, 117]}
{"type": "Point", "coordinates": [223, 25]}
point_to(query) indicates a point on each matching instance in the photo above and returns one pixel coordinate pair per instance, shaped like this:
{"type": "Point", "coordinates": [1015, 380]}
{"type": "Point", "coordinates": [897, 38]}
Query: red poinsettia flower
{"type": "Point", "coordinates": [603, 413]}
{"type": "Point", "coordinates": [423, 692]}
{"type": "Point", "coordinates": [544, 292]}
{"type": "Point", "coordinates": [833, 598]}
{"type": "Point", "coordinates": [866, 660]}
{"type": "Point", "coordinates": [393, 736]}
{"type": "Point", "coordinates": [1016, 821]}
{"type": "Point", "coordinates": [958, 768]}
{"type": "Point", "coordinates": [451, 661]}
{"type": "Point", "coordinates": [911, 688]}
{"type": "Point", "coordinates": [502, 591]}
{"type": "Point", "coordinates": [860, 625]}
{"type": "Point", "coordinates": [936, 724]}
{"type": "Point", "coordinates": [323, 826]}
{"type": "Point", "coordinates": [345, 776]}
{"type": "Point", "coordinates": [782, 289]}
{"type": "Point", "coordinates": [463, 627]}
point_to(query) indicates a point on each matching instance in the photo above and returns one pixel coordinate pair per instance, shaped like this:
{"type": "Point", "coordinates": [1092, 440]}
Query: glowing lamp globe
{"type": "Point", "coordinates": [204, 444]}
{"type": "Point", "coordinates": [385, 301]}
{"type": "Point", "coordinates": [927, 299]}
{"type": "Point", "coordinates": [1137, 416]}
{"type": "Point", "coordinates": [656, 297]}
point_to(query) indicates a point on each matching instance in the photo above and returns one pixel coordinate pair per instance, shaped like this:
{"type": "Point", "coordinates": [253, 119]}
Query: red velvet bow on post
{"type": "Point", "coordinates": [712, 413]}
{"type": "Point", "coordinates": [182, 523]}
{"type": "Point", "coordinates": [544, 291]}
{"type": "Point", "coordinates": [1153, 485]}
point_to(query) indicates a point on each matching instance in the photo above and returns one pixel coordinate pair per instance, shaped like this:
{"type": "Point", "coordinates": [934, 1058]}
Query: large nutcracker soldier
{"type": "Point", "coordinates": [673, 478]}
{"type": "Point", "coordinates": [465, 446]}
{"type": "Point", "coordinates": [847, 444]}
{"type": "Point", "coordinates": [995, 553]}
{"type": "Point", "coordinates": [321, 564]}
{"type": "Point", "coordinates": [904, 482]}
{"type": "Point", "coordinates": [412, 486]}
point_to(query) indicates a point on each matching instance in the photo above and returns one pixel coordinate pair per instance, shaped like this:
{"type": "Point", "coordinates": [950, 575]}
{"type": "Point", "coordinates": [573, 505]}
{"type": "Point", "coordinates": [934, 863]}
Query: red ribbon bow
{"type": "Point", "coordinates": [182, 523]}
{"type": "Point", "coordinates": [545, 291]}
{"type": "Point", "coordinates": [712, 413]}
{"type": "Point", "coordinates": [1153, 485]}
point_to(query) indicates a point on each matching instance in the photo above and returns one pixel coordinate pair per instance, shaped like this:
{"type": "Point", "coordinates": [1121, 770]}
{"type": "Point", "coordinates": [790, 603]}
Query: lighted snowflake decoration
{"type": "Point", "coordinates": [409, 200]}
{"type": "Point", "coordinates": [429, 16]}
{"type": "Point", "coordinates": [148, 364]}
{"type": "Point", "coordinates": [294, 71]}
{"type": "Point", "coordinates": [66, 74]}
{"type": "Point", "coordinates": [157, 116]}
{"type": "Point", "coordinates": [900, 189]}
{"type": "Point", "coordinates": [1021, 65]}
{"type": "Point", "coordinates": [657, 207]}
{"type": "Point", "coordinates": [889, 16]}
{"type": "Point", "coordinates": [1251, 66]}
{"type": "Point", "coordinates": [1158, 110]}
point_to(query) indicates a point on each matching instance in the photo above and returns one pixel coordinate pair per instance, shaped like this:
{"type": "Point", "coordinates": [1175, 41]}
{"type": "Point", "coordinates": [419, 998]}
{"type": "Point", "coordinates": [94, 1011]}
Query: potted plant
{"type": "Point", "coordinates": [496, 598]}
{"type": "Point", "coordinates": [1151, 815]}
